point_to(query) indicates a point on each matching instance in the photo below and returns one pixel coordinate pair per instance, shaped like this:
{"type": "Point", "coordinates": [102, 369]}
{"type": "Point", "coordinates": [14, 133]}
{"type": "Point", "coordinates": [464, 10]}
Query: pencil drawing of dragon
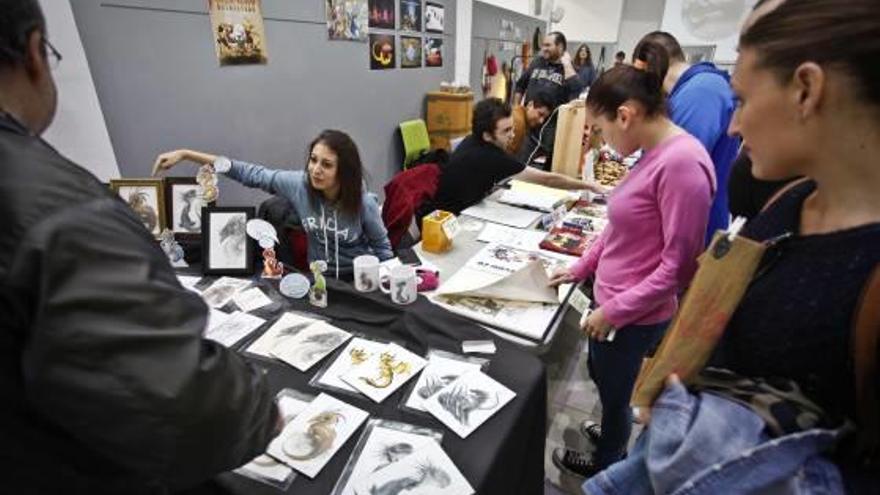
{"type": "Point", "coordinates": [426, 475]}
{"type": "Point", "coordinates": [461, 401]}
{"type": "Point", "coordinates": [388, 367]}
{"type": "Point", "coordinates": [434, 384]}
{"type": "Point", "coordinates": [316, 440]}
{"type": "Point", "coordinates": [317, 345]}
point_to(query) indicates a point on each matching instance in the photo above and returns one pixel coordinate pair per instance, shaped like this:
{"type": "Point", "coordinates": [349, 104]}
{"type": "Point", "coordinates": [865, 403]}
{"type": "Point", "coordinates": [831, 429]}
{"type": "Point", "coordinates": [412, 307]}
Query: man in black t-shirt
{"type": "Point", "coordinates": [480, 162]}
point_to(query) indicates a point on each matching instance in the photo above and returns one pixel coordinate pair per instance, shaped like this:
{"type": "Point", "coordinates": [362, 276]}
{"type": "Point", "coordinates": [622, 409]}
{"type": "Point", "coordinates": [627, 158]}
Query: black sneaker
{"type": "Point", "coordinates": [592, 431]}
{"type": "Point", "coordinates": [575, 463]}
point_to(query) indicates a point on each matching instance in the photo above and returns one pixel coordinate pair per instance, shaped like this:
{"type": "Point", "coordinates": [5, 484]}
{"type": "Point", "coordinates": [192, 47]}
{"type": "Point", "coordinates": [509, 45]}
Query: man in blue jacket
{"type": "Point", "coordinates": [701, 102]}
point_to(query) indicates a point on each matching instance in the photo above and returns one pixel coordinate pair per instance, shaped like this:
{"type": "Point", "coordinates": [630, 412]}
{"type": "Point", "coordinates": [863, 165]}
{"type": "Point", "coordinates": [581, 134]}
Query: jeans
{"type": "Point", "coordinates": [614, 367]}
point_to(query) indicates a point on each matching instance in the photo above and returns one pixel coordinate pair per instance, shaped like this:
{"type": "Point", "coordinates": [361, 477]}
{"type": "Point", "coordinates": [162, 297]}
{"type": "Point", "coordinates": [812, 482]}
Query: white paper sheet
{"type": "Point", "coordinates": [385, 372]}
{"type": "Point", "coordinates": [468, 402]}
{"type": "Point", "coordinates": [492, 211]}
{"type": "Point", "coordinates": [189, 282]}
{"type": "Point", "coordinates": [356, 354]}
{"type": "Point", "coordinates": [312, 344]}
{"type": "Point", "coordinates": [251, 300]}
{"type": "Point", "coordinates": [287, 326]}
{"type": "Point", "coordinates": [222, 291]}
{"type": "Point", "coordinates": [529, 240]}
{"type": "Point", "coordinates": [232, 328]}
{"type": "Point", "coordinates": [545, 204]}
{"type": "Point", "coordinates": [439, 372]}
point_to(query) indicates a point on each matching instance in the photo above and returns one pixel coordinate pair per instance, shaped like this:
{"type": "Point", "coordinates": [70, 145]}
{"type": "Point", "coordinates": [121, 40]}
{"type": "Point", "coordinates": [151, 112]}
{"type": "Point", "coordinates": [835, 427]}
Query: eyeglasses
{"type": "Point", "coordinates": [54, 55]}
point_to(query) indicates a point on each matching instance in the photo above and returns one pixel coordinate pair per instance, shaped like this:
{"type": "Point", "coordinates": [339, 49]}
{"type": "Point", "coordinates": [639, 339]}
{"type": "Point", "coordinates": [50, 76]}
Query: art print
{"type": "Point", "coordinates": [428, 471]}
{"type": "Point", "coordinates": [434, 17]}
{"type": "Point", "coordinates": [439, 372]}
{"type": "Point", "coordinates": [251, 300]}
{"type": "Point", "coordinates": [468, 402]}
{"type": "Point", "coordinates": [434, 52]}
{"type": "Point", "coordinates": [309, 441]}
{"type": "Point", "coordinates": [347, 19]}
{"type": "Point", "coordinates": [310, 345]}
{"type": "Point", "coordinates": [287, 326]}
{"type": "Point", "coordinates": [381, 14]}
{"type": "Point", "coordinates": [410, 52]}
{"type": "Point", "coordinates": [239, 35]}
{"type": "Point", "coordinates": [183, 206]}
{"type": "Point", "coordinates": [354, 356]}
{"type": "Point", "coordinates": [222, 291]}
{"type": "Point", "coordinates": [146, 197]}
{"type": "Point", "coordinates": [231, 328]}
{"type": "Point", "coordinates": [226, 246]}
{"type": "Point", "coordinates": [410, 15]}
{"type": "Point", "coordinates": [382, 54]}
{"type": "Point", "coordinates": [385, 372]}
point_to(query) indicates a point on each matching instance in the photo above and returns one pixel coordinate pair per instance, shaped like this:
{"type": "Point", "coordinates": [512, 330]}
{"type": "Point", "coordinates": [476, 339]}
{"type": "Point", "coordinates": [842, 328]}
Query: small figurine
{"type": "Point", "coordinates": [272, 268]}
{"type": "Point", "coordinates": [318, 293]}
{"type": "Point", "coordinates": [207, 180]}
{"type": "Point", "coordinates": [172, 249]}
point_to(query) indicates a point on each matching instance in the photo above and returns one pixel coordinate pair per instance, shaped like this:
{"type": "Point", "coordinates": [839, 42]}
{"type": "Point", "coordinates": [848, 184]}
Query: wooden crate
{"type": "Point", "coordinates": [449, 112]}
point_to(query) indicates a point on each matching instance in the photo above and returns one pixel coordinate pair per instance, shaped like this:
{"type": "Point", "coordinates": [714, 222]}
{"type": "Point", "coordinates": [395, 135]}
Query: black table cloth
{"type": "Point", "coordinates": [503, 456]}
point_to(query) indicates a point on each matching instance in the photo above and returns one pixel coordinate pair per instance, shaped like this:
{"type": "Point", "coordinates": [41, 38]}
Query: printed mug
{"type": "Point", "coordinates": [366, 273]}
{"type": "Point", "coordinates": [401, 284]}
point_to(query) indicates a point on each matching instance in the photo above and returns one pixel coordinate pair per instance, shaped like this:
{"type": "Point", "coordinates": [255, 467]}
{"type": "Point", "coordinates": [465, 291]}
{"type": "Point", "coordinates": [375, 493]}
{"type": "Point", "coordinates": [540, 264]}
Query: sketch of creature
{"type": "Point", "coordinates": [189, 217]}
{"type": "Point", "coordinates": [366, 283]}
{"type": "Point", "coordinates": [461, 401]}
{"type": "Point", "coordinates": [388, 367]}
{"type": "Point", "coordinates": [390, 454]}
{"type": "Point", "coordinates": [318, 344]}
{"type": "Point", "coordinates": [317, 439]}
{"type": "Point", "coordinates": [426, 475]}
{"type": "Point", "coordinates": [232, 236]}
{"type": "Point", "coordinates": [138, 201]}
{"type": "Point", "coordinates": [358, 356]}
{"type": "Point", "coordinates": [400, 286]}
{"type": "Point", "coordinates": [215, 295]}
{"type": "Point", "coordinates": [434, 384]}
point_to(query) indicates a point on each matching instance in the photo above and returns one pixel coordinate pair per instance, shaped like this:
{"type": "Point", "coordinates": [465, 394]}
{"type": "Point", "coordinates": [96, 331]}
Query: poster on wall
{"type": "Point", "coordinates": [382, 14]}
{"type": "Point", "coordinates": [382, 51]}
{"type": "Point", "coordinates": [707, 23]}
{"type": "Point", "coordinates": [347, 20]}
{"type": "Point", "coordinates": [239, 35]}
{"type": "Point", "coordinates": [433, 17]}
{"type": "Point", "coordinates": [434, 52]}
{"type": "Point", "coordinates": [410, 52]}
{"type": "Point", "coordinates": [411, 15]}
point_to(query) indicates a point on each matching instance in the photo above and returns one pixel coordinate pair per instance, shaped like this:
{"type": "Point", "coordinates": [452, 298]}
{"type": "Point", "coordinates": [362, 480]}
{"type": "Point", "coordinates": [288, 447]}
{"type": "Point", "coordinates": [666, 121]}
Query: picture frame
{"type": "Point", "coordinates": [434, 17]}
{"type": "Point", "coordinates": [226, 247]}
{"type": "Point", "coordinates": [183, 207]}
{"type": "Point", "coordinates": [146, 197]}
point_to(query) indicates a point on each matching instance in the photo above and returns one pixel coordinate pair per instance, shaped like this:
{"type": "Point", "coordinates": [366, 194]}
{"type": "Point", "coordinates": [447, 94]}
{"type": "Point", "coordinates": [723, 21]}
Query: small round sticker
{"type": "Point", "coordinates": [294, 286]}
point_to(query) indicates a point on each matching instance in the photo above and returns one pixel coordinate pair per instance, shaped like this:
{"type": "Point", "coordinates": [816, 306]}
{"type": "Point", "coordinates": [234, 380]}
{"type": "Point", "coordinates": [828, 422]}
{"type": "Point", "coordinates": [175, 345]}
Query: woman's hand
{"type": "Point", "coordinates": [596, 326]}
{"type": "Point", "coordinates": [561, 276]}
{"type": "Point", "coordinates": [167, 160]}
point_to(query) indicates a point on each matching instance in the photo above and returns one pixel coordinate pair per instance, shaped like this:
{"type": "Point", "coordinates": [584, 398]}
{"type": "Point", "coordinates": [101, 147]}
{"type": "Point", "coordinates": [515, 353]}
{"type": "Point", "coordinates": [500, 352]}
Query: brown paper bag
{"type": "Point", "coordinates": [568, 148]}
{"type": "Point", "coordinates": [725, 271]}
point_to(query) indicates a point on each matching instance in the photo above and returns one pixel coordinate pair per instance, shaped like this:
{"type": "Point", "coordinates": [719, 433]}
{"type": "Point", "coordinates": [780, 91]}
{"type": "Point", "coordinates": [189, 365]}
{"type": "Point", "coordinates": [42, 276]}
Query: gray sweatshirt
{"type": "Point", "coordinates": [334, 236]}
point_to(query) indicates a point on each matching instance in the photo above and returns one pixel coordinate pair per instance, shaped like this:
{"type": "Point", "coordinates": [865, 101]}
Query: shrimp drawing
{"type": "Point", "coordinates": [461, 401]}
{"type": "Point", "coordinates": [426, 475]}
{"type": "Point", "coordinates": [316, 440]}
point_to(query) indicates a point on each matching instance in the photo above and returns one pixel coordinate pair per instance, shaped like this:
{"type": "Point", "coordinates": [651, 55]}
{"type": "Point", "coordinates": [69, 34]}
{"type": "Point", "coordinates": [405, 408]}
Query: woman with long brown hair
{"type": "Point", "coordinates": [583, 65]}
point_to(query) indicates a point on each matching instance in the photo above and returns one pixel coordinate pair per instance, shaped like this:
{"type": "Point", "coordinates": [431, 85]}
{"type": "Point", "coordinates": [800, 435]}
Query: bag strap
{"type": "Point", "coordinates": [865, 340]}
{"type": "Point", "coordinates": [781, 192]}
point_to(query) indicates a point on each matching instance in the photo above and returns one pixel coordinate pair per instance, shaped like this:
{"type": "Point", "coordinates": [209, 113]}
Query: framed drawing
{"type": "Point", "coordinates": [226, 247]}
{"type": "Point", "coordinates": [183, 207]}
{"type": "Point", "coordinates": [147, 198]}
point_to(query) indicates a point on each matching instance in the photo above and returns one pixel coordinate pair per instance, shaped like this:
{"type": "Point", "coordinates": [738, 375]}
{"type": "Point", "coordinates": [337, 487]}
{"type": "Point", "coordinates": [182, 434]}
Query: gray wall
{"type": "Point", "coordinates": [161, 87]}
{"type": "Point", "coordinates": [487, 35]}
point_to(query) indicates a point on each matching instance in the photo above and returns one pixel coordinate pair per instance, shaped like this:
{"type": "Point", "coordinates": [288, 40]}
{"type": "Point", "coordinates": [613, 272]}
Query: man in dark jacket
{"type": "Point", "coordinates": [108, 385]}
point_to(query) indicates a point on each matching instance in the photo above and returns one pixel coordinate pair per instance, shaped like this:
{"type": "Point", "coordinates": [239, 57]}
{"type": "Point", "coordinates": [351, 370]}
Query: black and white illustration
{"type": "Point", "coordinates": [184, 205]}
{"type": "Point", "coordinates": [311, 439]}
{"type": "Point", "coordinates": [222, 291]}
{"type": "Point", "coordinates": [428, 471]}
{"type": "Point", "coordinates": [227, 247]}
{"type": "Point", "coordinates": [468, 402]}
{"type": "Point", "coordinates": [385, 372]}
{"type": "Point", "coordinates": [228, 329]}
{"type": "Point", "coordinates": [354, 356]}
{"type": "Point", "coordinates": [434, 22]}
{"type": "Point", "coordinates": [440, 372]}
{"type": "Point", "coordinates": [310, 345]}
{"type": "Point", "coordinates": [287, 326]}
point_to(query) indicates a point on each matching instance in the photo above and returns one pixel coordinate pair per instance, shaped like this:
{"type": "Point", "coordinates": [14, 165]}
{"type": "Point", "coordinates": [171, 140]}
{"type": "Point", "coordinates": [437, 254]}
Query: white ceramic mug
{"type": "Point", "coordinates": [366, 273]}
{"type": "Point", "coordinates": [402, 285]}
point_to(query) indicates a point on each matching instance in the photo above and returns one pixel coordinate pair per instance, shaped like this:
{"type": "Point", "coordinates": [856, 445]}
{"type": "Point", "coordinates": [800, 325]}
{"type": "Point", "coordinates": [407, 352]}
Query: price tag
{"type": "Point", "coordinates": [451, 228]}
{"type": "Point", "coordinates": [558, 214]}
{"type": "Point", "coordinates": [579, 301]}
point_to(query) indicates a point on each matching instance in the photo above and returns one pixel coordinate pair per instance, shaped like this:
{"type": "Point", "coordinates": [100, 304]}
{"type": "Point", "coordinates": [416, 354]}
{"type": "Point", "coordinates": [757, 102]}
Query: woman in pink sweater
{"type": "Point", "coordinates": [647, 254]}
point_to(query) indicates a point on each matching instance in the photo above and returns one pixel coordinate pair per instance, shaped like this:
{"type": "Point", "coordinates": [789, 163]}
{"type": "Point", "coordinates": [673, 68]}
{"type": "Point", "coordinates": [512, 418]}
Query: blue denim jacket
{"type": "Point", "coordinates": [707, 444]}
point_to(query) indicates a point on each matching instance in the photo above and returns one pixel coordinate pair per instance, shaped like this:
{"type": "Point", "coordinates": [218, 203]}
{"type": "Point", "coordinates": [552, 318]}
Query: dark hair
{"type": "Point", "coordinates": [626, 82]}
{"type": "Point", "coordinates": [620, 54]}
{"type": "Point", "coordinates": [487, 113]}
{"type": "Point", "coordinates": [18, 20]}
{"type": "Point", "coordinates": [543, 98]}
{"type": "Point", "coordinates": [588, 61]}
{"type": "Point", "coordinates": [559, 38]}
{"type": "Point", "coordinates": [349, 170]}
{"type": "Point", "coordinates": [667, 41]}
{"type": "Point", "coordinates": [844, 35]}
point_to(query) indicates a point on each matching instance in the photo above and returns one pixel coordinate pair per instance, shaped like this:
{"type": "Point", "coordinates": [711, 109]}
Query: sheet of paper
{"type": "Point", "coordinates": [312, 344]}
{"type": "Point", "coordinates": [519, 238]}
{"type": "Point", "coordinates": [222, 291]}
{"type": "Point", "coordinates": [427, 471]}
{"type": "Point", "coordinates": [439, 372]}
{"type": "Point", "coordinates": [385, 372]}
{"type": "Point", "coordinates": [492, 211]}
{"type": "Point", "coordinates": [309, 441]}
{"type": "Point", "coordinates": [529, 320]}
{"type": "Point", "coordinates": [468, 402]}
{"type": "Point", "coordinates": [287, 326]}
{"type": "Point", "coordinates": [529, 200]}
{"type": "Point", "coordinates": [189, 282]}
{"type": "Point", "coordinates": [355, 355]}
{"type": "Point", "coordinates": [539, 190]}
{"type": "Point", "coordinates": [235, 327]}
{"type": "Point", "coordinates": [251, 299]}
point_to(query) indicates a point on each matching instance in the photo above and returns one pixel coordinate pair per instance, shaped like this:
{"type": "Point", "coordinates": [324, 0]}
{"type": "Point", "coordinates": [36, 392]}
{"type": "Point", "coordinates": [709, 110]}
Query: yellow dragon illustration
{"type": "Point", "coordinates": [388, 367]}
{"type": "Point", "coordinates": [317, 439]}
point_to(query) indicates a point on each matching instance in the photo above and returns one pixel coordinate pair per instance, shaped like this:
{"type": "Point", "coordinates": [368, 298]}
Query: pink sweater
{"type": "Point", "coordinates": [657, 225]}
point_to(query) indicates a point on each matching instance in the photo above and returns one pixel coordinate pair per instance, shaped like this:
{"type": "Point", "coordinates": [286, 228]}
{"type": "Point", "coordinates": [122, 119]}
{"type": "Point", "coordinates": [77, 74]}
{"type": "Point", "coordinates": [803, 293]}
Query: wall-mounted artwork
{"type": "Point", "coordinates": [434, 17]}
{"type": "Point", "coordinates": [382, 14]}
{"type": "Point", "coordinates": [183, 206]}
{"type": "Point", "coordinates": [382, 54]}
{"type": "Point", "coordinates": [227, 249]}
{"type": "Point", "coordinates": [147, 198]}
{"type": "Point", "coordinates": [707, 23]}
{"type": "Point", "coordinates": [434, 52]}
{"type": "Point", "coordinates": [411, 15]}
{"type": "Point", "coordinates": [410, 52]}
{"type": "Point", "coordinates": [347, 20]}
{"type": "Point", "coordinates": [239, 35]}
